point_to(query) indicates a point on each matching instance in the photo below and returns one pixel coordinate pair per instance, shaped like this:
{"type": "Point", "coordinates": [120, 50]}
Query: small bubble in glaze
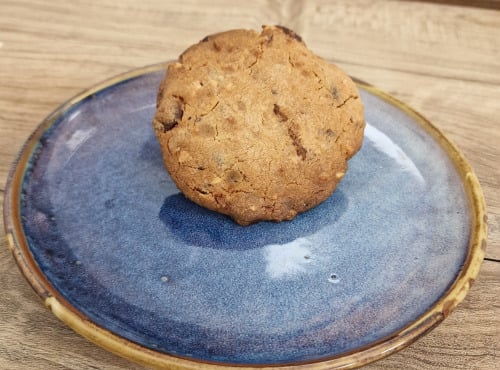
{"type": "Point", "coordinates": [164, 279]}
{"type": "Point", "coordinates": [333, 279]}
{"type": "Point", "coordinates": [78, 262]}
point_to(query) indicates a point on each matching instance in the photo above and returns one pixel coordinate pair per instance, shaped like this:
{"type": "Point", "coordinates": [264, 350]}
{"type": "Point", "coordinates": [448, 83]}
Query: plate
{"type": "Point", "coordinates": [116, 252]}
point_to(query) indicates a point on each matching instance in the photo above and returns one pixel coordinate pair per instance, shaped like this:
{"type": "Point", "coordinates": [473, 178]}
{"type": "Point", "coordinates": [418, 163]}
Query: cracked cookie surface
{"type": "Point", "coordinates": [255, 126]}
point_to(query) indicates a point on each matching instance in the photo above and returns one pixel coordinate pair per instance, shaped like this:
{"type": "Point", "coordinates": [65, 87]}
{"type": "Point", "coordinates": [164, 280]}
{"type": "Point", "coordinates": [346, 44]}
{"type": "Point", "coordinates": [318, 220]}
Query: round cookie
{"type": "Point", "coordinates": [255, 126]}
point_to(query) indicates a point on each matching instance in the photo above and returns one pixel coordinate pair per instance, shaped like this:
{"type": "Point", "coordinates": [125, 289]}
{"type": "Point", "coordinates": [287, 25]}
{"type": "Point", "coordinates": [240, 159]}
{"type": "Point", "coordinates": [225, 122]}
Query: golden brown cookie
{"type": "Point", "coordinates": [255, 126]}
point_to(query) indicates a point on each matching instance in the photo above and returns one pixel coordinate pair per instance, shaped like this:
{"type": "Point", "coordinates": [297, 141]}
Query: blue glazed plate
{"type": "Point", "coordinates": [106, 239]}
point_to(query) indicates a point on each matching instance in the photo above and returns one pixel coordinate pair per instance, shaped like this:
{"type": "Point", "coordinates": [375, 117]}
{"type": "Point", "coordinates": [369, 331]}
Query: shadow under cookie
{"type": "Point", "coordinates": [201, 227]}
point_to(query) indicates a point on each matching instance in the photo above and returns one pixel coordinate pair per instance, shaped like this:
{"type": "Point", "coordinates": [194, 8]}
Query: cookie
{"type": "Point", "coordinates": [256, 126]}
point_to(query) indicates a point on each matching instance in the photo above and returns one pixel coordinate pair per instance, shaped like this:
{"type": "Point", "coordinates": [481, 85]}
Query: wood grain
{"type": "Point", "coordinates": [488, 4]}
{"type": "Point", "coordinates": [442, 60]}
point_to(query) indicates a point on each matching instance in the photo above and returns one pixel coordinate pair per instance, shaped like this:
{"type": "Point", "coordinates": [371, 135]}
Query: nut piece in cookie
{"type": "Point", "coordinates": [256, 126]}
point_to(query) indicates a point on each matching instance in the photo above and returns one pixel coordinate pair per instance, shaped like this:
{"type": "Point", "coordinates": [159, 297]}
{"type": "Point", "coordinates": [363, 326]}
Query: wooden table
{"type": "Point", "coordinates": [442, 59]}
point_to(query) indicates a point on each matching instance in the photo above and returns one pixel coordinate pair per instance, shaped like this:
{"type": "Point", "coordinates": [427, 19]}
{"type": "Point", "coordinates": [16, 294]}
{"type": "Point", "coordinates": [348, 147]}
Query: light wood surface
{"type": "Point", "coordinates": [443, 60]}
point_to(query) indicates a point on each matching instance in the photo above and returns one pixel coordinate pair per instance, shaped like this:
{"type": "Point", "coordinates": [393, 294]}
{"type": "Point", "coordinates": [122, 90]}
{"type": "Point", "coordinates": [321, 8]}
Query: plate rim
{"type": "Point", "coordinates": [76, 320]}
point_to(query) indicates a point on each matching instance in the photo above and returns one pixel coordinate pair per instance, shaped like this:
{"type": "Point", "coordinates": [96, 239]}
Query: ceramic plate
{"type": "Point", "coordinates": [116, 252]}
